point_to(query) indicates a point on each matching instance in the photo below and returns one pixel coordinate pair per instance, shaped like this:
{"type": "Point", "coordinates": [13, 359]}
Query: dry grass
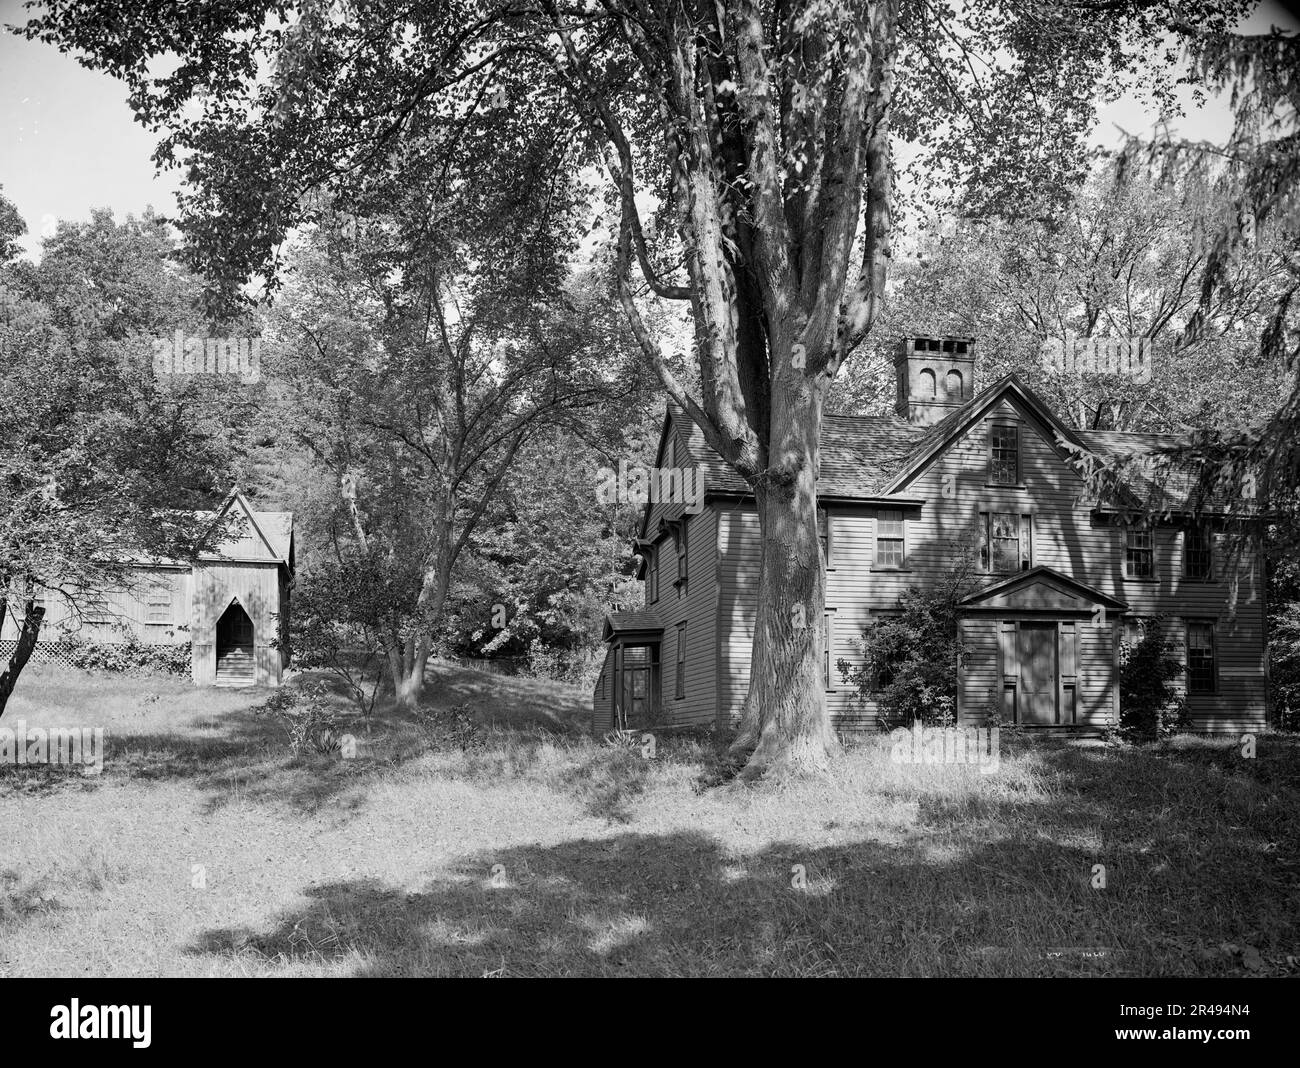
{"type": "Point", "coordinates": [205, 848]}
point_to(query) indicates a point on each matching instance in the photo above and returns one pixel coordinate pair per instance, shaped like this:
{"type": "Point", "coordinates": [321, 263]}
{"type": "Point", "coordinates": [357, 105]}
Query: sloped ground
{"type": "Point", "coordinates": [205, 847]}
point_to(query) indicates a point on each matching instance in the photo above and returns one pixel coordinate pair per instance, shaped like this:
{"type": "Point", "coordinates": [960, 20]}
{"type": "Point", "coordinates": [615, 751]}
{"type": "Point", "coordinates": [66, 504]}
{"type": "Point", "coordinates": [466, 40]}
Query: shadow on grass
{"type": "Point", "coordinates": [1198, 872]}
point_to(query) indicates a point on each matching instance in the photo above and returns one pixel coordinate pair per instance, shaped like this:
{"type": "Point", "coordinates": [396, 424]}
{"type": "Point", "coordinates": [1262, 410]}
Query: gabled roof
{"type": "Point", "coordinates": [271, 532]}
{"type": "Point", "coordinates": [957, 422]}
{"type": "Point", "coordinates": [1042, 589]}
{"type": "Point", "coordinates": [875, 457]}
{"type": "Point", "coordinates": [642, 621]}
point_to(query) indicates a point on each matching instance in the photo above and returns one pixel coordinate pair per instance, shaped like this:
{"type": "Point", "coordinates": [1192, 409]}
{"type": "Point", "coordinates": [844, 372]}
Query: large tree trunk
{"type": "Point", "coordinates": [784, 721]}
{"type": "Point", "coordinates": [32, 619]}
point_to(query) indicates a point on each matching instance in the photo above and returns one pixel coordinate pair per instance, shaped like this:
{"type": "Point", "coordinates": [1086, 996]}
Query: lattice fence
{"type": "Point", "coordinates": [44, 653]}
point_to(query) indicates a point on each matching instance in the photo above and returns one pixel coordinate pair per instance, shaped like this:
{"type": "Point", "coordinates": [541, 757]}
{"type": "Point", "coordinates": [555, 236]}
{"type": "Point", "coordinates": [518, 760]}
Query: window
{"type": "Point", "coordinates": [828, 649]}
{"type": "Point", "coordinates": [681, 661]}
{"type": "Point", "coordinates": [1004, 454]}
{"type": "Point", "coordinates": [652, 574]}
{"type": "Point", "coordinates": [889, 538]}
{"type": "Point", "coordinates": [825, 538]}
{"type": "Point", "coordinates": [679, 536]}
{"type": "Point", "coordinates": [1139, 553]}
{"type": "Point", "coordinates": [1200, 656]}
{"type": "Point", "coordinates": [1198, 553]}
{"type": "Point", "coordinates": [1005, 542]}
{"type": "Point", "coordinates": [927, 383]}
{"type": "Point", "coordinates": [158, 606]}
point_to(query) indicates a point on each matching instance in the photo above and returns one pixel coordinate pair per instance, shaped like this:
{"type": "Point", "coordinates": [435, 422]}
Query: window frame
{"type": "Point", "coordinates": [1198, 530]}
{"type": "Point", "coordinates": [679, 682]}
{"type": "Point", "coordinates": [1131, 530]}
{"type": "Point", "coordinates": [828, 650]}
{"type": "Point", "coordinates": [1024, 525]}
{"type": "Point", "coordinates": [1209, 626]}
{"type": "Point", "coordinates": [826, 536]}
{"type": "Point", "coordinates": [995, 426]}
{"type": "Point", "coordinates": [652, 575]}
{"type": "Point", "coordinates": [877, 537]}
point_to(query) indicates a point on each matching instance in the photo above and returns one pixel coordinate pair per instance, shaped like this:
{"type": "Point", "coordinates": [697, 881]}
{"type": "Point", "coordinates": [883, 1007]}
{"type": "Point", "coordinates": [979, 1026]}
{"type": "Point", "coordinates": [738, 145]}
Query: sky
{"type": "Point", "coordinates": [69, 143]}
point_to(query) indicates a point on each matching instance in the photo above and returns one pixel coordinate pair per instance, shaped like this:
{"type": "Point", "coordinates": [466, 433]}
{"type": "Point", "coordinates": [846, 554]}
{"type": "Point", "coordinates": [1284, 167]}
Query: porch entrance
{"type": "Point", "coordinates": [235, 648]}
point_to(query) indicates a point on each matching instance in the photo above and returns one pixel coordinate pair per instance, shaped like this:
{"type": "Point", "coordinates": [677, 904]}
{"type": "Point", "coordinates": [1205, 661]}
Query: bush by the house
{"type": "Point", "coordinates": [911, 660]}
{"type": "Point", "coordinates": [1150, 706]}
{"type": "Point", "coordinates": [128, 656]}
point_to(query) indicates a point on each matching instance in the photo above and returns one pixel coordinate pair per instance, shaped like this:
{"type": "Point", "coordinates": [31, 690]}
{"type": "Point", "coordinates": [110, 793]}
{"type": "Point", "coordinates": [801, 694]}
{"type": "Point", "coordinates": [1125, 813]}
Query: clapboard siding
{"type": "Point", "coordinates": [257, 588]}
{"type": "Point", "coordinates": [698, 611]}
{"type": "Point", "coordinates": [1065, 535]}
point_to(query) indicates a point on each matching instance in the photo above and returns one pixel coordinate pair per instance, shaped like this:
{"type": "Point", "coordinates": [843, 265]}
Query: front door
{"type": "Point", "coordinates": [1036, 658]}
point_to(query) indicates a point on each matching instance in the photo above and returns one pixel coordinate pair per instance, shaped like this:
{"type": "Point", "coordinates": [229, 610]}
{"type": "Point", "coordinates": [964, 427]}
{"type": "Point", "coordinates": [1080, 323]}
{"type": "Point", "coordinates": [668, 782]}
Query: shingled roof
{"type": "Point", "coordinates": [862, 454]}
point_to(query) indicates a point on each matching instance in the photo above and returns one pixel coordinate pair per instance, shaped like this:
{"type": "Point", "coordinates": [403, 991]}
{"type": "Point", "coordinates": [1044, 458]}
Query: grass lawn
{"type": "Point", "coordinates": [206, 848]}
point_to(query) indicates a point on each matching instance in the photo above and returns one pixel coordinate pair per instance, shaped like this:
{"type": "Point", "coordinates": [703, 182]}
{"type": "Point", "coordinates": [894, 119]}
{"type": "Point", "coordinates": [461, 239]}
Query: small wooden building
{"type": "Point", "coordinates": [231, 605]}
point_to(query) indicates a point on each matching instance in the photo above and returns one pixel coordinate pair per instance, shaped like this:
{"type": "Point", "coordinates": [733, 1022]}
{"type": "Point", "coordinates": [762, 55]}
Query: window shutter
{"type": "Point", "coordinates": [1007, 650]}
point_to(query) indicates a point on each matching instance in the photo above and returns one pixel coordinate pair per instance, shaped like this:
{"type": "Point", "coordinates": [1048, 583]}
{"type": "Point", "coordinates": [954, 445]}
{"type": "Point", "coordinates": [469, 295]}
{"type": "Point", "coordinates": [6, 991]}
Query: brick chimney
{"type": "Point", "coordinates": [934, 375]}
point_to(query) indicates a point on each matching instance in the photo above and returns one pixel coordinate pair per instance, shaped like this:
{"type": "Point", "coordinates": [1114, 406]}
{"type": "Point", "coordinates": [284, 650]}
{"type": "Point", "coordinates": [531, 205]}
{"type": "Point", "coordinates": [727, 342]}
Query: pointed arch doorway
{"type": "Point", "coordinates": [235, 661]}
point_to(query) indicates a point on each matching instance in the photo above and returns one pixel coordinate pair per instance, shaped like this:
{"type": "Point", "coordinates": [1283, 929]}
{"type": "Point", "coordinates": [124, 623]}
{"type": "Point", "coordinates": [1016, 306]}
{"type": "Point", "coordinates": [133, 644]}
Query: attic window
{"type": "Point", "coordinates": [1004, 454]}
{"type": "Point", "coordinates": [961, 347]}
{"type": "Point", "coordinates": [947, 345]}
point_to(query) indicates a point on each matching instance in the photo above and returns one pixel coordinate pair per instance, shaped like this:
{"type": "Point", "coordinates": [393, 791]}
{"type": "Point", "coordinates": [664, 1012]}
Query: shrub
{"type": "Point", "coordinates": [450, 728]}
{"type": "Point", "coordinates": [912, 659]}
{"type": "Point", "coordinates": [1150, 706]}
{"type": "Point", "coordinates": [307, 718]}
{"type": "Point", "coordinates": [129, 656]}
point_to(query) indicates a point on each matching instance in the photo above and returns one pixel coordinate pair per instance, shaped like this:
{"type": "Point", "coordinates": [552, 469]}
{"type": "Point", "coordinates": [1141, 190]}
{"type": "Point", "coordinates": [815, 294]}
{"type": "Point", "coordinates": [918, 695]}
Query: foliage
{"type": "Point", "coordinates": [743, 149]}
{"type": "Point", "coordinates": [453, 727]}
{"type": "Point", "coordinates": [101, 461]}
{"type": "Point", "coordinates": [308, 720]}
{"type": "Point", "coordinates": [1150, 705]}
{"type": "Point", "coordinates": [339, 612]}
{"type": "Point", "coordinates": [129, 656]}
{"type": "Point", "coordinates": [911, 659]}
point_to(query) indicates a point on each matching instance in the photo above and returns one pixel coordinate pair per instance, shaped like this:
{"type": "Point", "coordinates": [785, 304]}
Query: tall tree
{"type": "Point", "coordinates": [754, 133]}
{"type": "Point", "coordinates": [417, 383]}
{"type": "Point", "coordinates": [100, 461]}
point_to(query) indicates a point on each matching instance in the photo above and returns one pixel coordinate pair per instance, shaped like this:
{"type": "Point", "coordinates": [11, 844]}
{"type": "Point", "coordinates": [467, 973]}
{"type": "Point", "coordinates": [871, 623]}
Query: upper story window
{"type": "Point", "coordinates": [890, 544]}
{"type": "Point", "coordinates": [1200, 656]}
{"type": "Point", "coordinates": [679, 539]}
{"type": "Point", "coordinates": [1139, 552]}
{"type": "Point", "coordinates": [1004, 454]}
{"type": "Point", "coordinates": [1198, 553]}
{"type": "Point", "coordinates": [652, 575]}
{"type": "Point", "coordinates": [1005, 542]}
{"type": "Point", "coordinates": [825, 537]}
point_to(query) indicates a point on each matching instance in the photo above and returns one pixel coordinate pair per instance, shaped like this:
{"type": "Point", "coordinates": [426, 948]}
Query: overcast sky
{"type": "Point", "coordinates": [68, 141]}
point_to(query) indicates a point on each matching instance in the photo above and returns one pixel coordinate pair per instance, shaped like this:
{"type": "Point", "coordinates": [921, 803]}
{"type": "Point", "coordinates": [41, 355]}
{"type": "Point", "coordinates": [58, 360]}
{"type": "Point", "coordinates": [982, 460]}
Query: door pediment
{"type": "Point", "coordinates": [1042, 589]}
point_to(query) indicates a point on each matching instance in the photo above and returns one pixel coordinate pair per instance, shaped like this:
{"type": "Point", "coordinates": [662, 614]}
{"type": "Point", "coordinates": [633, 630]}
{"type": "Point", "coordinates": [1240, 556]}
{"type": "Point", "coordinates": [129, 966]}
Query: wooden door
{"type": "Point", "coordinates": [1036, 660]}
